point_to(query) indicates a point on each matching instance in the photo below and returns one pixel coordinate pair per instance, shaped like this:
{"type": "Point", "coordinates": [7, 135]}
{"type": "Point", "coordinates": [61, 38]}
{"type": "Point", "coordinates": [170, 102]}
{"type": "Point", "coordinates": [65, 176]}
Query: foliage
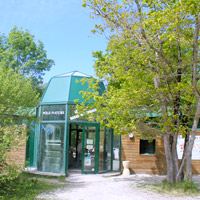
{"type": "Point", "coordinates": [22, 188]}
{"type": "Point", "coordinates": [22, 64]}
{"type": "Point", "coordinates": [173, 189]}
{"type": "Point", "coordinates": [131, 66]}
{"type": "Point", "coordinates": [20, 52]}
{"type": "Point", "coordinates": [17, 99]}
{"type": "Point", "coordinates": [151, 68]}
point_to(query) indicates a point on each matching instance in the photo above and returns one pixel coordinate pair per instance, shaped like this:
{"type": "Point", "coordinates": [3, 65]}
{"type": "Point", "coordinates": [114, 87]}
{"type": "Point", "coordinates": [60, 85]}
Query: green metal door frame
{"type": "Point", "coordinates": [96, 164]}
{"type": "Point", "coordinates": [85, 124]}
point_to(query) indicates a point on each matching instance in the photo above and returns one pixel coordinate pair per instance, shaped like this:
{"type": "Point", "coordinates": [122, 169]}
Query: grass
{"type": "Point", "coordinates": [25, 186]}
{"type": "Point", "coordinates": [184, 188]}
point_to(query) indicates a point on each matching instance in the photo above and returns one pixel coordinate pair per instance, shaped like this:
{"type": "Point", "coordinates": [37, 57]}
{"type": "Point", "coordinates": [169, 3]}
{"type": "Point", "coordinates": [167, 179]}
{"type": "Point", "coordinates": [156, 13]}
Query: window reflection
{"type": "Point", "coordinates": [105, 150]}
{"type": "Point", "coordinates": [53, 112]}
{"type": "Point", "coordinates": [116, 152]}
{"type": "Point", "coordinates": [51, 148]}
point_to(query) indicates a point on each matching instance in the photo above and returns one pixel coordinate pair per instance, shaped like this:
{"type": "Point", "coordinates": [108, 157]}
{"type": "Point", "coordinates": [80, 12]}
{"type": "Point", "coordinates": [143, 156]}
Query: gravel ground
{"type": "Point", "coordinates": [101, 186]}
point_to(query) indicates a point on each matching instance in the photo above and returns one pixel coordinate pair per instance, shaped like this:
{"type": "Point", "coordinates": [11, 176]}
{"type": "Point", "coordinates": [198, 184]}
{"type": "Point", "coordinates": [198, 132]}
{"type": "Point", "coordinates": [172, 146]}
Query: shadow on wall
{"type": "Point", "coordinates": [161, 165]}
{"type": "Point", "coordinates": [194, 167]}
{"type": "Point", "coordinates": [127, 152]}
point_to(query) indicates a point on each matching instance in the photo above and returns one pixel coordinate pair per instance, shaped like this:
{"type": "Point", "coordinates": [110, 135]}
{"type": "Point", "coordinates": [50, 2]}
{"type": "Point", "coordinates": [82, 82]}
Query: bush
{"type": "Point", "coordinates": [21, 188]}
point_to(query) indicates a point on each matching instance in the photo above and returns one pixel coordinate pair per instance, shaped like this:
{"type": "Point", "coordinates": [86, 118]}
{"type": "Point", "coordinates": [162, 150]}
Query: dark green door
{"type": "Point", "coordinates": [90, 150]}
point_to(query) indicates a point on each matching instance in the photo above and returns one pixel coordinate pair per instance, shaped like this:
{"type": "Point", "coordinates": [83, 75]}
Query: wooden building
{"type": "Point", "coordinates": [53, 146]}
{"type": "Point", "coordinates": [149, 157]}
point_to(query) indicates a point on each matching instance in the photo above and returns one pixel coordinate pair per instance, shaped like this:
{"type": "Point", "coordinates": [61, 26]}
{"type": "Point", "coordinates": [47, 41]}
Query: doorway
{"type": "Point", "coordinates": [83, 147]}
{"type": "Point", "coordinates": [75, 147]}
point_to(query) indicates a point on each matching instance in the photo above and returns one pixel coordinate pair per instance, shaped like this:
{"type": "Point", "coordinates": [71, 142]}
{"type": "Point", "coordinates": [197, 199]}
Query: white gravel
{"type": "Point", "coordinates": [99, 187]}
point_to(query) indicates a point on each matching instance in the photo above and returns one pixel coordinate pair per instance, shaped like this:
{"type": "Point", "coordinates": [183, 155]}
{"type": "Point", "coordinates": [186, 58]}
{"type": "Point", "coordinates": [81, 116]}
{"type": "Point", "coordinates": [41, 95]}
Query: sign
{"type": "Point", "coordinates": [88, 161]}
{"type": "Point", "coordinates": [89, 144]}
{"type": "Point", "coordinates": [53, 112]}
{"type": "Point", "coordinates": [81, 115]}
{"type": "Point", "coordinates": [195, 150]}
{"type": "Point", "coordinates": [90, 141]}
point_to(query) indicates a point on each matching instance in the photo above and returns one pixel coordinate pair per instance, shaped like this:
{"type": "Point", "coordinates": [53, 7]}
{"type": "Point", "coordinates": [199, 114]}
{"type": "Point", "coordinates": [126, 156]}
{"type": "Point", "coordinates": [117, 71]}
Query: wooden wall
{"type": "Point", "coordinates": [148, 164]}
{"type": "Point", "coordinates": [17, 152]}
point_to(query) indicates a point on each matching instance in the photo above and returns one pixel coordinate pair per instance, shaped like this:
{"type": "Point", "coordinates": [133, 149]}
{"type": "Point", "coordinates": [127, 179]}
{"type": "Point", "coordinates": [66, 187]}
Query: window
{"type": "Point", "coordinates": [53, 113]}
{"type": "Point", "coordinates": [52, 147]}
{"type": "Point", "coordinates": [147, 146]}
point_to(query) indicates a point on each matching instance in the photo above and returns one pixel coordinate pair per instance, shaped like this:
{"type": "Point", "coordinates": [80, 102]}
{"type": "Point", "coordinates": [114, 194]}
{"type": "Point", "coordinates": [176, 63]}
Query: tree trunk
{"type": "Point", "coordinates": [181, 175]}
{"type": "Point", "coordinates": [175, 155]}
{"type": "Point", "coordinates": [191, 141]}
{"type": "Point", "coordinates": [189, 166]}
{"type": "Point", "coordinates": [169, 158]}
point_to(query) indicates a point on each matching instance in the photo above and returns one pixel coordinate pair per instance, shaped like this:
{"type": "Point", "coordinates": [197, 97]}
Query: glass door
{"type": "Point", "coordinates": [90, 151]}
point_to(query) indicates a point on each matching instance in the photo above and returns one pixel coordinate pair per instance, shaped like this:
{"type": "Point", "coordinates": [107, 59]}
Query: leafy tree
{"type": "Point", "coordinates": [151, 65]}
{"type": "Point", "coordinates": [17, 99]}
{"type": "Point", "coordinates": [20, 52]}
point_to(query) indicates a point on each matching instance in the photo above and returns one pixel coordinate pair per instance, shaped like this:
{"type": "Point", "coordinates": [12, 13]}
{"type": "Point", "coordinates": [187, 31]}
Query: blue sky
{"type": "Point", "coordinates": [63, 26]}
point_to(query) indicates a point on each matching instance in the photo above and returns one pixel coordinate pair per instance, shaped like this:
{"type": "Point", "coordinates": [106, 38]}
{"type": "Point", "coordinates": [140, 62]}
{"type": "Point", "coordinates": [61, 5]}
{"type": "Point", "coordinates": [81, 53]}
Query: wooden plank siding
{"type": "Point", "coordinates": [148, 164]}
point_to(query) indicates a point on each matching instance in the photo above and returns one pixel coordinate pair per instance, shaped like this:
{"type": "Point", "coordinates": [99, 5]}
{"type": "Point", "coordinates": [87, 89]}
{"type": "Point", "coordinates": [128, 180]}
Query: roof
{"type": "Point", "coordinates": [65, 88]}
{"type": "Point", "coordinates": [74, 73]}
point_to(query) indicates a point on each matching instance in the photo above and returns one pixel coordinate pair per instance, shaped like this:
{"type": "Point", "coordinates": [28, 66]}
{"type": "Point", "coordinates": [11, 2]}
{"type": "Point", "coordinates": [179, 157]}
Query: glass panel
{"type": "Point", "coordinates": [108, 148]}
{"type": "Point", "coordinates": [51, 148]}
{"type": "Point", "coordinates": [116, 152]}
{"type": "Point", "coordinates": [72, 148]}
{"type": "Point", "coordinates": [104, 150]}
{"type": "Point", "coordinates": [89, 149]}
{"type": "Point", "coordinates": [57, 90]}
{"type": "Point", "coordinates": [75, 146]}
{"type": "Point", "coordinates": [53, 112]}
{"type": "Point", "coordinates": [73, 114]}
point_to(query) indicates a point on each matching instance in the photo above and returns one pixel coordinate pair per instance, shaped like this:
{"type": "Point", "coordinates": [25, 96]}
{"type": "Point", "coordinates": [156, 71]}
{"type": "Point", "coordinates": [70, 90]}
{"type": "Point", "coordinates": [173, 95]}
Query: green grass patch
{"type": "Point", "coordinates": [184, 188]}
{"type": "Point", "coordinates": [24, 187]}
{"type": "Point", "coordinates": [30, 175]}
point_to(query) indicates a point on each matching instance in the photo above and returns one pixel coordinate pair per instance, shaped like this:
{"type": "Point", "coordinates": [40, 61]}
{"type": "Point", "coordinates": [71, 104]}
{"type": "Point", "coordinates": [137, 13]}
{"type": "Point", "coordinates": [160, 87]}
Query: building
{"type": "Point", "coordinates": [53, 145]}
{"type": "Point", "coordinates": [64, 141]}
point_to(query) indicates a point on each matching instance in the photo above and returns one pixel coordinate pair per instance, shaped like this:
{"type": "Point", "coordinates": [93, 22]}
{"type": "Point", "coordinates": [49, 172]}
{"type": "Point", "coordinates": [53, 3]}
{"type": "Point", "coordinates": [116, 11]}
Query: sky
{"type": "Point", "coordinates": [63, 26]}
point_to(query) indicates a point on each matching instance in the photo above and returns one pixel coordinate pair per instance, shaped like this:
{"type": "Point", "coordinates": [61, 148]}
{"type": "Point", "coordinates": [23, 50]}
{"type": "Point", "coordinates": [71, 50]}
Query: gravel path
{"type": "Point", "coordinates": [103, 187]}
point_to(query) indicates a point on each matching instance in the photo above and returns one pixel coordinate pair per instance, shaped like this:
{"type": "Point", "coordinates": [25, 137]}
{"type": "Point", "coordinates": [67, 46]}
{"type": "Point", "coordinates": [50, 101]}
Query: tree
{"type": "Point", "coordinates": [17, 100]}
{"type": "Point", "coordinates": [151, 66]}
{"type": "Point", "coordinates": [20, 52]}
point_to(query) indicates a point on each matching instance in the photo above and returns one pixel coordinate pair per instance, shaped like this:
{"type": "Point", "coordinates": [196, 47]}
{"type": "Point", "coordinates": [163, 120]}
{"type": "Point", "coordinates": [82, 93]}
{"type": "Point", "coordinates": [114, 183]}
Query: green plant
{"type": "Point", "coordinates": [190, 186]}
{"type": "Point", "coordinates": [184, 188]}
{"type": "Point", "coordinates": [12, 189]}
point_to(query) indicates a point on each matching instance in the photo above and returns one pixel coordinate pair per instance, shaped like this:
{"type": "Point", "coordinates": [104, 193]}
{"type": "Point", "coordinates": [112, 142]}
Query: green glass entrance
{"type": "Point", "coordinates": [82, 148]}
{"type": "Point", "coordinates": [90, 146]}
{"type": "Point", "coordinates": [99, 148]}
{"type": "Point", "coordinates": [65, 139]}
